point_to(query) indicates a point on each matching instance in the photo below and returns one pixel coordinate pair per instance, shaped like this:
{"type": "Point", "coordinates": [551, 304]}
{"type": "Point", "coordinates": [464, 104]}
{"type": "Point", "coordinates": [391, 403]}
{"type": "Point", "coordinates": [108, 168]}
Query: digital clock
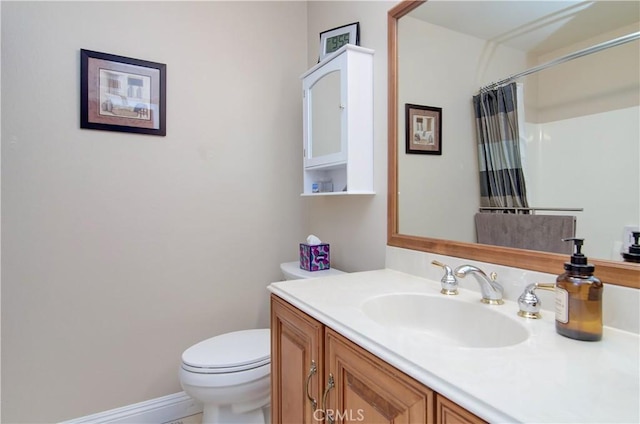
{"type": "Point", "coordinates": [333, 39]}
{"type": "Point", "coordinates": [337, 41]}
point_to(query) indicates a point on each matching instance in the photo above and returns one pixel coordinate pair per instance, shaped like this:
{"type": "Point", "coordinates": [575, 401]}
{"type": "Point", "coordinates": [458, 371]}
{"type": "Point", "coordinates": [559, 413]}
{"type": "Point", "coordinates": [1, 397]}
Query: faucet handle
{"type": "Point", "coordinates": [529, 302]}
{"type": "Point", "coordinates": [448, 281]}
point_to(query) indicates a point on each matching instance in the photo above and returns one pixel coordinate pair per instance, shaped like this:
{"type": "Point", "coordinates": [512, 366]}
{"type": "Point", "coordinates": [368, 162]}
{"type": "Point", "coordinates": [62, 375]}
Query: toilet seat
{"type": "Point", "coordinates": [230, 353]}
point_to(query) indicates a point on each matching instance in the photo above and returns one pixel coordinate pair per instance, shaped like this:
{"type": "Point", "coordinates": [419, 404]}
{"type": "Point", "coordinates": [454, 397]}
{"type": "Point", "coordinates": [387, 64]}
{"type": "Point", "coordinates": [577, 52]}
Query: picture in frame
{"type": "Point", "coordinates": [120, 93]}
{"type": "Point", "coordinates": [424, 129]}
{"type": "Point", "coordinates": [331, 40]}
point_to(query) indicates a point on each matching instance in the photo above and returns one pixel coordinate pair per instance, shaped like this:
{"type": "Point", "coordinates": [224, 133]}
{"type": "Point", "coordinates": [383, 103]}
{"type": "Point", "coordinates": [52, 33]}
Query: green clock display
{"type": "Point", "coordinates": [337, 41]}
{"type": "Point", "coordinates": [332, 40]}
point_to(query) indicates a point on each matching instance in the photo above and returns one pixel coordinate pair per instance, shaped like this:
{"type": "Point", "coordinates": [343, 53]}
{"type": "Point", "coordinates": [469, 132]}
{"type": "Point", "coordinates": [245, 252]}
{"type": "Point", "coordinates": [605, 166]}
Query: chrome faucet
{"type": "Point", "coordinates": [448, 281]}
{"type": "Point", "coordinates": [529, 302]}
{"type": "Point", "coordinates": [491, 290]}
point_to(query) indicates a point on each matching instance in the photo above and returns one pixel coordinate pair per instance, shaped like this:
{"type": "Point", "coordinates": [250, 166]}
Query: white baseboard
{"type": "Point", "coordinates": [155, 411]}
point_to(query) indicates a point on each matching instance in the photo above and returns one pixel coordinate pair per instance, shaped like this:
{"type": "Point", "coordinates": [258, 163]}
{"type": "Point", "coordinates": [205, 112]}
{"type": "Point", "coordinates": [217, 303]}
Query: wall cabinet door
{"type": "Point", "coordinates": [369, 390]}
{"type": "Point", "coordinates": [296, 345]}
{"type": "Point", "coordinates": [324, 109]}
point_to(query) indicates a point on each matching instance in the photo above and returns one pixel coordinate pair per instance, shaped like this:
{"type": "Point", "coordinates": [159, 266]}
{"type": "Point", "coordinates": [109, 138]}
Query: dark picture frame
{"type": "Point", "coordinates": [332, 39]}
{"type": "Point", "coordinates": [124, 94]}
{"type": "Point", "coordinates": [423, 129]}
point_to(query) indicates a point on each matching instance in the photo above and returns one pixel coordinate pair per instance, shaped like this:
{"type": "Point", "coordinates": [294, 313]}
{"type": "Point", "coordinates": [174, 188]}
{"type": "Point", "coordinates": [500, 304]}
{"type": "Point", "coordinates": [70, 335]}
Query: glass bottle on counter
{"type": "Point", "coordinates": [579, 298]}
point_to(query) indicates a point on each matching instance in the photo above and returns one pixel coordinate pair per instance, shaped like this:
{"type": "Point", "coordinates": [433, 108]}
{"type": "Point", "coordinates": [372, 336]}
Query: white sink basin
{"type": "Point", "coordinates": [449, 321]}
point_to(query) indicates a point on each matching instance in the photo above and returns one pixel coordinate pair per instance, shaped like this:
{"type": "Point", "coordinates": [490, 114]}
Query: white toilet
{"type": "Point", "coordinates": [230, 373]}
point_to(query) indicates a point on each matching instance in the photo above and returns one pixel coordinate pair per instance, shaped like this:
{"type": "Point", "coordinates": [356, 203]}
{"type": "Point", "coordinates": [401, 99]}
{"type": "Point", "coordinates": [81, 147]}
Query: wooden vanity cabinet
{"type": "Point", "coordinates": [310, 362]}
{"type": "Point", "coordinates": [369, 390]}
{"type": "Point", "coordinates": [448, 412]}
{"type": "Point", "coordinates": [296, 346]}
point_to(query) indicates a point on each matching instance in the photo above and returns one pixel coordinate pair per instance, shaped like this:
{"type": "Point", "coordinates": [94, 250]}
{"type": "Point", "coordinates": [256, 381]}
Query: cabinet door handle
{"type": "Point", "coordinates": [330, 385]}
{"type": "Point", "coordinates": [312, 370]}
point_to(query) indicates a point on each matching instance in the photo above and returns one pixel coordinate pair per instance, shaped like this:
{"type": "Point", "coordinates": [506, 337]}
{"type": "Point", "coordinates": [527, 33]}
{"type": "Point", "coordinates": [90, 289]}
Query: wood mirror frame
{"type": "Point", "coordinates": [611, 272]}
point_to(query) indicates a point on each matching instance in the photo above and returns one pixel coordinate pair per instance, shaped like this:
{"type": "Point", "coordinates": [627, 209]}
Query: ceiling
{"type": "Point", "coordinates": [532, 26]}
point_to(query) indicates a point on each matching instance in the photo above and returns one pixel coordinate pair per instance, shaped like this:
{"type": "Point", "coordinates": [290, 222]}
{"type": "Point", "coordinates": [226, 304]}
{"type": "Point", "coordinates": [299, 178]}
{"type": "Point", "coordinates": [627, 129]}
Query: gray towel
{"type": "Point", "coordinates": [532, 232]}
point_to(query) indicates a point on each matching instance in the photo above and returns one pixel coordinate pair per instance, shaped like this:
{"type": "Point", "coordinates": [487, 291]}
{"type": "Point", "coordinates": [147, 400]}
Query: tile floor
{"type": "Point", "coordinates": [192, 419]}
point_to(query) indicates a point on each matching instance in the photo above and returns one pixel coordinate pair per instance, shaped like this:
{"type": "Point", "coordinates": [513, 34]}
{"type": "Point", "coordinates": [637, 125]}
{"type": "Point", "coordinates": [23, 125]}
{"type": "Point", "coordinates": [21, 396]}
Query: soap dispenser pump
{"type": "Point", "coordinates": [579, 298]}
{"type": "Point", "coordinates": [634, 250]}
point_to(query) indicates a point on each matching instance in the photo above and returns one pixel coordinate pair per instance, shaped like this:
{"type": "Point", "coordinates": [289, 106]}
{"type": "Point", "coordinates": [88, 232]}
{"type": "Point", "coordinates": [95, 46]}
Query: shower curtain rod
{"type": "Point", "coordinates": [589, 50]}
{"type": "Point", "coordinates": [533, 210]}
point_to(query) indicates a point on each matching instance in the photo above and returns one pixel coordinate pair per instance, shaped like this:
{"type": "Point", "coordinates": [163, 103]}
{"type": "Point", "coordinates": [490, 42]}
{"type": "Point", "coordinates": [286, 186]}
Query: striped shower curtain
{"type": "Point", "coordinates": [501, 176]}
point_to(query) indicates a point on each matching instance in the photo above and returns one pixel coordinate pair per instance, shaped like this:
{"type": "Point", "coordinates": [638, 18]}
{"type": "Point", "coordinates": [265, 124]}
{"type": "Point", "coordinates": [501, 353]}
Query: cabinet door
{"type": "Point", "coordinates": [323, 111]}
{"type": "Point", "coordinates": [448, 412]}
{"type": "Point", "coordinates": [296, 344]}
{"type": "Point", "coordinates": [369, 390]}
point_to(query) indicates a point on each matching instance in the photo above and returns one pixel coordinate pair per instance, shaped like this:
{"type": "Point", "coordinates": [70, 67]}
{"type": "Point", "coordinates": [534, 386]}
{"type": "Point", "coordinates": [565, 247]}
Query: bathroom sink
{"type": "Point", "coordinates": [449, 321]}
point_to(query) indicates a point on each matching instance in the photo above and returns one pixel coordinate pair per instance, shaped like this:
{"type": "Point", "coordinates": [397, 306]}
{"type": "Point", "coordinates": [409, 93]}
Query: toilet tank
{"type": "Point", "coordinates": [292, 271]}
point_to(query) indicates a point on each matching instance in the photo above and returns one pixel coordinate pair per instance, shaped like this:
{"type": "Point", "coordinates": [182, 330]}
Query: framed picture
{"type": "Point", "coordinates": [333, 39]}
{"type": "Point", "coordinates": [424, 129]}
{"type": "Point", "coordinates": [122, 94]}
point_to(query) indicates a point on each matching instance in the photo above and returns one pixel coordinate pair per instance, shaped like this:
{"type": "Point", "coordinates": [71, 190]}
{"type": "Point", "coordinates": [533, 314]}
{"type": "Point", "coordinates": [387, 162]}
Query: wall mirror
{"type": "Point", "coordinates": [451, 181]}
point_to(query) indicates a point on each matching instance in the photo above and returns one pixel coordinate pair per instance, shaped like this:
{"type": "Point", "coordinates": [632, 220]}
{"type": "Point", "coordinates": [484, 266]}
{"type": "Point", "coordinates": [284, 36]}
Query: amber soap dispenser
{"type": "Point", "coordinates": [579, 298]}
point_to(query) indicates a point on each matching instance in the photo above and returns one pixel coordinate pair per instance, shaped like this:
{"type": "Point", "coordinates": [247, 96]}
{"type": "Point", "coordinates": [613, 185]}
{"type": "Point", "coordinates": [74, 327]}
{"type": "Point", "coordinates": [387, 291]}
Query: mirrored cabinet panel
{"type": "Point", "coordinates": [326, 119]}
{"type": "Point", "coordinates": [338, 124]}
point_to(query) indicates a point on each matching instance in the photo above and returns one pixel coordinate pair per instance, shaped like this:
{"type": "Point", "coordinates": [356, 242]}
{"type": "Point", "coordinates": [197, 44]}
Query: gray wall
{"type": "Point", "coordinates": [356, 226]}
{"type": "Point", "coordinates": [118, 250]}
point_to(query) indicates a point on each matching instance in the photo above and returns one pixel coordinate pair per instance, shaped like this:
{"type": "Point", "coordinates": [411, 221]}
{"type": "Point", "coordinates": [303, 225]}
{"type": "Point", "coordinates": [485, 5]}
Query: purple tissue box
{"type": "Point", "coordinates": [314, 258]}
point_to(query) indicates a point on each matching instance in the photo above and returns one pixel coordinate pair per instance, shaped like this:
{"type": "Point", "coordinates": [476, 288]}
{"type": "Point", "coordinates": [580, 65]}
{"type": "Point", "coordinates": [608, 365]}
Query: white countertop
{"type": "Point", "coordinates": [546, 379]}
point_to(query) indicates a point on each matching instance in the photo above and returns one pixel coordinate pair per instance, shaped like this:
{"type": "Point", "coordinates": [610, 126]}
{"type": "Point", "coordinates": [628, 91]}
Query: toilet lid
{"type": "Point", "coordinates": [230, 352]}
{"type": "Point", "coordinates": [292, 271]}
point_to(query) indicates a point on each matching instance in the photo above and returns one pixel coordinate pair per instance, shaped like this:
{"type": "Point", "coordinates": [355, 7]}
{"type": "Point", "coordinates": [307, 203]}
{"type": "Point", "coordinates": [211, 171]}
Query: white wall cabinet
{"type": "Point", "coordinates": [338, 124]}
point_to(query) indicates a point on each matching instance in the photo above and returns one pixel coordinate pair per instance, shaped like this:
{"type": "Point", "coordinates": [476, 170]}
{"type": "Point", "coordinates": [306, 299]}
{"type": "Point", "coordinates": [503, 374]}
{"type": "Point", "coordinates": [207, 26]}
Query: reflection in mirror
{"type": "Point", "coordinates": [325, 115]}
{"type": "Point", "coordinates": [579, 131]}
{"type": "Point", "coordinates": [581, 148]}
